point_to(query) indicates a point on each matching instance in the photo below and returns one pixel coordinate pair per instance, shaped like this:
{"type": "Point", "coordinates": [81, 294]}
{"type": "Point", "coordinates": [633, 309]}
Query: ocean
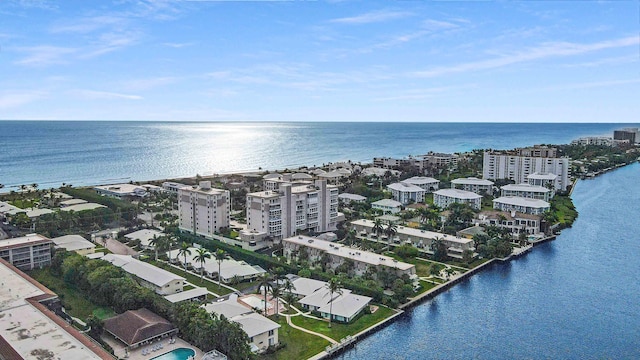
{"type": "Point", "coordinates": [99, 152]}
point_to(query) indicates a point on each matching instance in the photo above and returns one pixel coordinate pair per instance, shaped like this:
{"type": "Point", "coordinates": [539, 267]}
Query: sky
{"type": "Point", "coordinates": [431, 61]}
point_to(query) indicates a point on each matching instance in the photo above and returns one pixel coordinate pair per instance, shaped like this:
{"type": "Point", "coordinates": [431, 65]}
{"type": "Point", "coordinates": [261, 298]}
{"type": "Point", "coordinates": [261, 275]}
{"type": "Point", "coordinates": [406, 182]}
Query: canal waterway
{"type": "Point", "coordinates": [573, 298]}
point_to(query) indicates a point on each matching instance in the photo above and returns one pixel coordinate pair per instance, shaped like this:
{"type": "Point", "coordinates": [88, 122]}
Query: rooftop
{"type": "Point", "coordinates": [420, 180]}
{"type": "Point", "coordinates": [135, 326]}
{"type": "Point", "coordinates": [347, 252]}
{"type": "Point", "coordinates": [354, 197]}
{"type": "Point", "coordinates": [520, 201]}
{"type": "Point", "coordinates": [28, 329]}
{"type": "Point", "coordinates": [387, 202]}
{"type": "Point", "coordinates": [187, 295]}
{"type": "Point", "coordinates": [121, 189]}
{"type": "Point", "coordinates": [73, 242]}
{"type": "Point", "coordinates": [525, 187]}
{"type": "Point", "coordinates": [82, 207]}
{"type": "Point", "coordinates": [72, 202]}
{"type": "Point", "coordinates": [28, 240]}
{"type": "Point", "coordinates": [425, 234]}
{"type": "Point", "coordinates": [458, 194]}
{"type": "Point", "coordinates": [405, 187]}
{"type": "Point", "coordinates": [143, 270]}
{"type": "Point", "coordinates": [547, 176]}
{"type": "Point", "coordinates": [472, 181]}
{"type": "Point", "coordinates": [144, 235]}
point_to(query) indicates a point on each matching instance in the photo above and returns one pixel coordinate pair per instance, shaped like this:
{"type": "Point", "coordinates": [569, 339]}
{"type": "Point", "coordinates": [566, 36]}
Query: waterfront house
{"type": "Point", "coordinates": [520, 204]}
{"type": "Point", "coordinates": [527, 191]}
{"type": "Point", "coordinates": [445, 197]}
{"type": "Point", "coordinates": [341, 307]}
{"type": "Point", "coordinates": [516, 222]}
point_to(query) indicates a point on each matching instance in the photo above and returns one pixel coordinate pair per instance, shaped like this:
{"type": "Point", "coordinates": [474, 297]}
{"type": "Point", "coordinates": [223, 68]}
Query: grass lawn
{"type": "Point", "coordinates": [103, 313]}
{"type": "Point", "coordinates": [24, 204]}
{"type": "Point", "coordinates": [195, 280]}
{"type": "Point", "coordinates": [74, 302]}
{"type": "Point", "coordinates": [299, 344]}
{"type": "Point", "coordinates": [564, 209]}
{"type": "Point", "coordinates": [425, 286]}
{"type": "Point", "coordinates": [339, 331]}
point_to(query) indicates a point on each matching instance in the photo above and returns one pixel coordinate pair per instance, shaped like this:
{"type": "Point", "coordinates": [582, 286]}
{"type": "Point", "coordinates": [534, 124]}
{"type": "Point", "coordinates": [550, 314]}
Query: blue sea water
{"type": "Point", "coordinates": [89, 153]}
{"type": "Point", "coordinates": [572, 298]}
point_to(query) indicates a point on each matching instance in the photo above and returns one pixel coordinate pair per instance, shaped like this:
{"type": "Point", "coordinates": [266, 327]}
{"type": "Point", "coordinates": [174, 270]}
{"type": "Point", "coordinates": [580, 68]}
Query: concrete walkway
{"type": "Point", "coordinates": [308, 331]}
{"type": "Point", "coordinates": [298, 313]}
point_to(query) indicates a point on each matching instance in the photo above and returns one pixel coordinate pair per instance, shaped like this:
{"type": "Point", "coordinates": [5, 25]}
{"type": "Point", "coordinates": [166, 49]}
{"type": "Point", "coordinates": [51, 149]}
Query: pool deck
{"type": "Point", "coordinates": [136, 354]}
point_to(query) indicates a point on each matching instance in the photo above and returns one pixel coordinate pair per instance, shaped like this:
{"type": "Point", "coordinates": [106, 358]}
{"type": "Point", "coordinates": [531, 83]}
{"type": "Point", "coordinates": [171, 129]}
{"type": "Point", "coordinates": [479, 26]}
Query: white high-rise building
{"type": "Point", "coordinates": [203, 209]}
{"type": "Point", "coordinates": [280, 213]}
{"type": "Point", "coordinates": [517, 167]}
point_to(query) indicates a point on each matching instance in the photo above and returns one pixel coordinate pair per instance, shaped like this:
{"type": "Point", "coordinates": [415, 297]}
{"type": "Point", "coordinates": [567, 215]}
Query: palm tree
{"type": "Point", "coordinates": [276, 291]}
{"type": "Point", "coordinates": [156, 241]}
{"type": "Point", "coordinates": [391, 230]}
{"type": "Point", "coordinates": [351, 235]}
{"type": "Point", "coordinates": [220, 255]}
{"type": "Point", "coordinates": [201, 257]}
{"type": "Point", "coordinates": [378, 227]}
{"type": "Point", "coordinates": [264, 281]}
{"type": "Point", "coordinates": [184, 251]}
{"type": "Point", "coordinates": [335, 287]}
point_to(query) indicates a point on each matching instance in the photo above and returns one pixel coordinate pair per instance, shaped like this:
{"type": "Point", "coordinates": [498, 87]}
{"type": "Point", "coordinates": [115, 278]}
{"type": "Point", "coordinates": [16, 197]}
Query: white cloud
{"type": "Point", "coordinates": [45, 55]}
{"type": "Point", "coordinates": [178, 45]}
{"type": "Point", "coordinates": [17, 99]}
{"type": "Point", "coordinates": [372, 17]}
{"type": "Point", "coordinates": [93, 94]}
{"type": "Point", "coordinates": [149, 83]}
{"type": "Point", "coordinates": [87, 24]}
{"type": "Point", "coordinates": [544, 51]}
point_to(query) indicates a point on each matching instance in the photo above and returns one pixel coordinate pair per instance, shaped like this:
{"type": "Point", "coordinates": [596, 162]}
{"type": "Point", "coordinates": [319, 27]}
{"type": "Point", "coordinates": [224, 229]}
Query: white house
{"type": "Point", "coordinates": [75, 243]}
{"type": "Point", "coordinates": [349, 198]}
{"type": "Point", "coordinates": [473, 184]}
{"type": "Point", "coordinates": [527, 191]}
{"type": "Point", "coordinates": [338, 254]}
{"type": "Point", "coordinates": [229, 268]}
{"type": "Point", "coordinates": [161, 281]}
{"type": "Point", "coordinates": [262, 332]}
{"type": "Point", "coordinates": [516, 222]}
{"type": "Point", "coordinates": [548, 180]}
{"type": "Point", "coordinates": [145, 236]}
{"type": "Point", "coordinates": [121, 191]}
{"type": "Point", "coordinates": [445, 197]}
{"type": "Point", "coordinates": [406, 193]}
{"type": "Point", "coordinates": [387, 206]}
{"type": "Point", "coordinates": [422, 239]}
{"type": "Point", "coordinates": [342, 307]}
{"type": "Point", "coordinates": [520, 204]}
{"type": "Point", "coordinates": [428, 184]}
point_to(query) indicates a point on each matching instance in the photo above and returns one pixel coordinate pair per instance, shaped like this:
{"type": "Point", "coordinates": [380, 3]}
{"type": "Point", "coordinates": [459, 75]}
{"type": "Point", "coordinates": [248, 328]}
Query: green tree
{"type": "Point", "coordinates": [276, 291]}
{"type": "Point", "coordinates": [335, 287]}
{"type": "Point", "coordinates": [391, 230]}
{"type": "Point", "coordinates": [220, 255]}
{"type": "Point", "coordinates": [156, 242]}
{"type": "Point", "coordinates": [378, 227]}
{"type": "Point", "coordinates": [264, 282]}
{"type": "Point", "coordinates": [184, 251]}
{"type": "Point", "coordinates": [201, 257]}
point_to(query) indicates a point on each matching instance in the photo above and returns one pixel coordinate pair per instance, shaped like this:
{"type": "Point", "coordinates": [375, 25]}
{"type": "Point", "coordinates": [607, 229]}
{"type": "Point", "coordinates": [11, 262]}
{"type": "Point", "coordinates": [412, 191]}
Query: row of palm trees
{"type": "Point", "coordinates": [201, 256]}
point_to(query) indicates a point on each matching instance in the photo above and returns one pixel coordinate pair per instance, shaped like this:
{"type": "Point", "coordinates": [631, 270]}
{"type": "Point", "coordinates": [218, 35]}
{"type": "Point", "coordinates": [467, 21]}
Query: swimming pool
{"type": "Point", "coordinates": [176, 354]}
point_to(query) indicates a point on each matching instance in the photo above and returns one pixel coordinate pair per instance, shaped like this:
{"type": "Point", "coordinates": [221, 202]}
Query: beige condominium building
{"type": "Point", "coordinates": [280, 213]}
{"type": "Point", "coordinates": [27, 252]}
{"type": "Point", "coordinates": [518, 164]}
{"type": "Point", "coordinates": [203, 209]}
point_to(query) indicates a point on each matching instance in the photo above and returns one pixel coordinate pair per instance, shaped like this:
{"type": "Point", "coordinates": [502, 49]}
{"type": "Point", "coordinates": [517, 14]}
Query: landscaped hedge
{"type": "Point", "coordinates": [127, 210]}
{"type": "Point", "coordinates": [253, 258]}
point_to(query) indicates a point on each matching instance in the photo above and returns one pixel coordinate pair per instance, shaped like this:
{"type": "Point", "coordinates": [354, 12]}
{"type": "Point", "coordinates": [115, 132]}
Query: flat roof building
{"type": "Point", "coordinates": [527, 191]}
{"type": "Point", "coordinates": [422, 239]}
{"type": "Point", "coordinates": [520, 204]}
{"type": "Point", "coordinates": [445, 197]}
{"type": "Point", "coordinates": [427, 184]}
{"type": "Point", "coordinates": [387, 206]}
{"type": "Point", "coordinates": [203, 210]}
{"type": "Point", "coordinates": [30, 330]}
{"type": "Point", "coordinates": [473, 184]}
{"type": "Point", "coordinates": [121, 191]}
{"type": "Point", "coordinates": [27, 252]}
{"type": "Point", "coordinates": [75, 243]}
{"type": "Point", "coordinates": [338, 253]}
{"type": "Point", "coordinates": [406, 193]}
